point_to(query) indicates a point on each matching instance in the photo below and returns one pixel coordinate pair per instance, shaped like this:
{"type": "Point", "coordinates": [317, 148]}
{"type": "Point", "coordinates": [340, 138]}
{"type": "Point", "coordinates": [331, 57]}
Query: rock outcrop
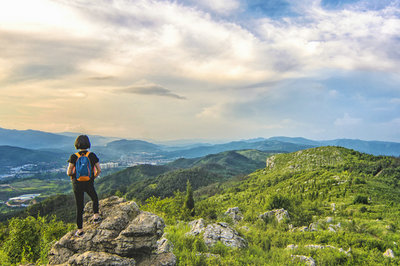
{"type": "Point", "coordinates": [224, 233]}
{"type": "Point", "coordinates": [235, 214]}
{"type": "Point", "coordinates": [279, 214]}
{"type": "Point", "coordinates": [213, 233]}
{"type": "Point", "coordinates": [307, 260]}
{"type": "Point", "coordinates": [125, 236]}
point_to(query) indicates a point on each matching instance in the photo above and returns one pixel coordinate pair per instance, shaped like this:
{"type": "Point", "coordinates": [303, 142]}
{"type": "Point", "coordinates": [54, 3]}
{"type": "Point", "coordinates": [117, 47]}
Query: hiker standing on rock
{"type": "Point", "coordinates": [83, 168]}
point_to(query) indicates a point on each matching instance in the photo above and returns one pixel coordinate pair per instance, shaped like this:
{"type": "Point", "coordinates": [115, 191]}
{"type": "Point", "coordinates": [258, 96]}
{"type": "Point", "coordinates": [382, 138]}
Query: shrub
{"type": "Point", "coordinates": [360, 199]}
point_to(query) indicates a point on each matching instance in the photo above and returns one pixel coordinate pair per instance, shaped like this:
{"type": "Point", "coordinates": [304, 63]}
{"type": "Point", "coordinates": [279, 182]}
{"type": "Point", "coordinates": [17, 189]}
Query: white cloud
{"type": "Point", "coordinates": [219, 6]}
{"type": "Point", "coordinates": [395, 101]}
{"type": "Point", "coordinates": [347, 120]}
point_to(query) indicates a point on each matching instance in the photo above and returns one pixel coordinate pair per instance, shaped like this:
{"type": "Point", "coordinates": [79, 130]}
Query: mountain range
{"type": "Point", "coordinates": [113, 149]}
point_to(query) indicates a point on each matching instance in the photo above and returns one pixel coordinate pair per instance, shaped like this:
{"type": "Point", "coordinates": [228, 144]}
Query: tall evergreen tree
{"type": "Point", "coordinates": [189, 201]}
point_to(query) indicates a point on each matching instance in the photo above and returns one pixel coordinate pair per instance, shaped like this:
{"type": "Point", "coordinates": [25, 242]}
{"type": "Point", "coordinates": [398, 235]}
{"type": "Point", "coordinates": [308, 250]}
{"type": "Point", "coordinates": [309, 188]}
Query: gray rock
{"type": "Point", "coordinates": [164, 259]}
{"type": "Point", "coordinates": [292, 246]}
{"type": "Point", "coordinates": [328, 246]}
{"type": "Point", "coordinates": [222, 232]}
{"type": "Point", "coordinates": [270, 162]}
{"type": "Point", "coordinates": [303, 229]}
{"type": "Point", "coordinates": [99, 259]}
{"type": "Point", "coordinates": [279, 214]}
{"type": "Point", "coordinates": [164, 246]}
{"type": "Point", "coordinates": [313, 227]}
{"type": "Point", "coordinates": [125, 236]}
{"type": "Point", "coordinates": [389, 253]}
{"type": "Point", "coordinates": [299, 229]}
{"type": "Point", "coordinates": [196, 227]}
{"type": "Point", "coordinates": [308, 260]}
{"type": "Point", "coordinates": [331, 229]}
{"type": "Point", "coordinates": [235, 214]}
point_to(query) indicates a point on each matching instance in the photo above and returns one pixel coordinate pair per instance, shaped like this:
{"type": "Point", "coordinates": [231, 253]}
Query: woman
{"type": "Point", "coordinates": [82, 183]}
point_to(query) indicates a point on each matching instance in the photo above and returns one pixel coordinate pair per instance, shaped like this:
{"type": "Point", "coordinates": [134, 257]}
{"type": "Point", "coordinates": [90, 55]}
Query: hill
{"type": "Point", "coordinates": [143, 181]}
{"type": "Point", "coordinates": [342, 205]}
{"type": "Point", "coordinates": [33, 139]}
{"type": "Point", "coordinates": [371, 147]}
{"type": "Point", "coordinates": [15, 156]}
{"type": "Point", "coordinates": [119, 181]}
{"type": "Point", "coordinates": [133, 146]}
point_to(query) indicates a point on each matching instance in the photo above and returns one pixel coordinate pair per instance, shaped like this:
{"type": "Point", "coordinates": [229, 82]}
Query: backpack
{"type": "Point", "coordinates": [83, 168]}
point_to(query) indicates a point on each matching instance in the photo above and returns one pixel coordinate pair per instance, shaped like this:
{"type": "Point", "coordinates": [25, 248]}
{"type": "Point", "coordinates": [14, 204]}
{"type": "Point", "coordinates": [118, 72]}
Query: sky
{"type": "Point", "coordinates": [202, 69]}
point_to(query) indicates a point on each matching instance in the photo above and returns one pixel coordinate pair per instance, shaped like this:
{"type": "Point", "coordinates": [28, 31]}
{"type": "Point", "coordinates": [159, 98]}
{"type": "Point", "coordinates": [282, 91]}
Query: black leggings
{"type": "Point", "coordinates": [79, 189]}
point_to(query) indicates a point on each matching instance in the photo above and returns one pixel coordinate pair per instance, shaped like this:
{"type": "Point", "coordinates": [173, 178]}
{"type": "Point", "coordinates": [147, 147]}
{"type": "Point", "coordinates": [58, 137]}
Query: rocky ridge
{"type": "Point", "coordinates": [125, 236]}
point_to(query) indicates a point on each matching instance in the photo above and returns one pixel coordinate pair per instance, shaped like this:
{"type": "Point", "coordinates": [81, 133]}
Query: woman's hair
{"type": "Point", "coordinates": [82, 142]}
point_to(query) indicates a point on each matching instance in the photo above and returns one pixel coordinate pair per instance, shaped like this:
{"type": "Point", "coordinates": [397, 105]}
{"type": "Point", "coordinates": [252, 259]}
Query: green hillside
{"type": "Point", "coordinates": [119, 181]}
{"type": "Point", "coordinates": [143, 181]}
{"type": "Point", "coordinates": [343, 206]}
{"type": "Point", "coordinates": [15, 156]}
{"type": "Point", "coordinates": [351, 199]}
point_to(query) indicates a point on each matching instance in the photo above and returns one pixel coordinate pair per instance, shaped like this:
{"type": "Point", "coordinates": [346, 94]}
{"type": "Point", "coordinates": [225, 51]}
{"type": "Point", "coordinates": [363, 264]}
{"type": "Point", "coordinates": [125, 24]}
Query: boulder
{"type": "Point", "coordinates": [99, 259]}
{"type": "Point", "coordinates": [234, 213]}
{"type": "Point", "coordinates": [389, 253]}
{"type": "Point", "coordinates": [308, 260]}
{"type": "Point", "coordinates": [314, 246]}
{"type": "Point", "coordinates": [292, 246]}
{"type": "Point", "coordinates": [125, 236]}
{"type": "Point", "coordinates": [270, 163]}
{"type": "Point", "coordinates": [196, 227]}
{"type": "Point", "coordinates": [217, 232]}
{"type": "Point", "coordinates": [279, 214]}
{"type": "Point", "coordinates": [314, 227]}
{"type": "Point", "coordinates": [224, 233]}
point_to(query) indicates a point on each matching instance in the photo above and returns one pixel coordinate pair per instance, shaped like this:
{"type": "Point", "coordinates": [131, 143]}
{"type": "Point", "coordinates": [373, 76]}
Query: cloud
{"type": "Point", "coordinates": [223, 7]}
{"type": "Point", "coordinates": [347, 120]}
{"type": "Point", "coordinates": [252, 63]}
{"type": "Point", "coordinates": [102, 78]}
{"type": "Point", "coordinates": [151, 89]}
{"type": "Point", "coordinates": [394, 101]}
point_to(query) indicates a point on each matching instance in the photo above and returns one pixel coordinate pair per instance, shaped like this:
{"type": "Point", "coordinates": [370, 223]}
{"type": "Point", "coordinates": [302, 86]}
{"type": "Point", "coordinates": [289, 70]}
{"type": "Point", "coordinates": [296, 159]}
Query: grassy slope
{"type": "Point", "coordinates": [307, 184]}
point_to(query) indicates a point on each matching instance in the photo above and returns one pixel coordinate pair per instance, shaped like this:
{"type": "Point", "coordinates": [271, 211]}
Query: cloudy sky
{"type": "Point", "coordinates": [209, 69]}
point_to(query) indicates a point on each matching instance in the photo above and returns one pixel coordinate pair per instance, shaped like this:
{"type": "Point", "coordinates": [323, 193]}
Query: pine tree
{"type": "Point", "coordinates": [189, 201]}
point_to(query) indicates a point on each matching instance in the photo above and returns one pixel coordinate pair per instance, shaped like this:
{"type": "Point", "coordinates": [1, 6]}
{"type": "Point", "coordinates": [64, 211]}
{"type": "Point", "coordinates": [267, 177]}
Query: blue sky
{"type": "Point", "coordinates": [203, 69]}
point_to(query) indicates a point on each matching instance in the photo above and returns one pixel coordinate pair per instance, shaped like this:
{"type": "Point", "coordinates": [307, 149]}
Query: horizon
{"type": "Point", "coordinates": [188, 141]}
{"type": "Point", "coordinates": [219, 70]}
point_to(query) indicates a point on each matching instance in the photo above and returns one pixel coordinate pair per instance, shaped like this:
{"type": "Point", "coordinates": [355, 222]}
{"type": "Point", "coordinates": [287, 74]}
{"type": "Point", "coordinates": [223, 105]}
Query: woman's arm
{"type": "Point", "coordinates": [97, 170]}
{"type": "Point", "coordinates": [70, 169]}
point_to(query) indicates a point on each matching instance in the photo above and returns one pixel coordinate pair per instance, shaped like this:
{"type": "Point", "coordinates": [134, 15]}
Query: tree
{"type": "Point", "coordinates": [189, 201]}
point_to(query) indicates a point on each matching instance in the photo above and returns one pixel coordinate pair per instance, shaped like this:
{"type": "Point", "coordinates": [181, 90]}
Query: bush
{"type": "Point", "coordinates": [277, 201]}
{"type": "Point", "coordinates": [360, 199]}
{"type": "Point", "coordinates": [30, 239]}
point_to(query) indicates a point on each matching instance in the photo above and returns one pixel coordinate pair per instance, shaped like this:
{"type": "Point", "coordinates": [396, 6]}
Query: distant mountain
{"type": "Point", "coordinates": [15, 156]}
{"type": "Point", "coordinates": [114, 149]}
{"type": "Point", "coordinates": [133, 146]}
{"type": "Point", "coordinates": [266, 145]}
{"type": "Point", "coordinates": [371, 147]}
{"type": "Point", "coordinates": [33, 139]}
{"type": "Point", "coordinates": [95, 140]}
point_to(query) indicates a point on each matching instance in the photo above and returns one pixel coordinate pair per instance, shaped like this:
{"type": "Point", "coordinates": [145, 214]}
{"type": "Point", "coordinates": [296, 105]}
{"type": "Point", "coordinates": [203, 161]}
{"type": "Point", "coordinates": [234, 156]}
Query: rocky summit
{"type": "Point", "coordinates": [125, 236]}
